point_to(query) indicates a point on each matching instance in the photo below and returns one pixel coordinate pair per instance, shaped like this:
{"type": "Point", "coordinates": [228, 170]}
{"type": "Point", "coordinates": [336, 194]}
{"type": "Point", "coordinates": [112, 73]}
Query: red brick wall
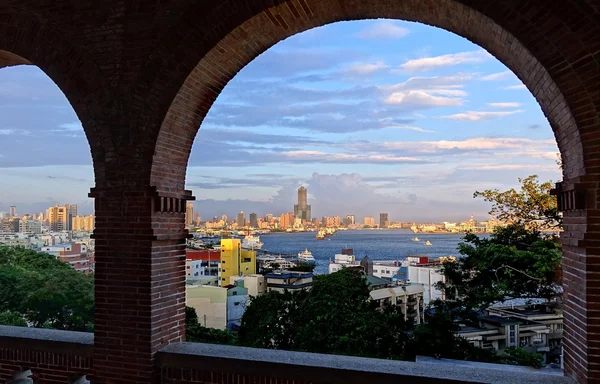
{"type": "Point", "coordinates": [141, 75]}
{"type": "Point", "coordinates": [47, 367]}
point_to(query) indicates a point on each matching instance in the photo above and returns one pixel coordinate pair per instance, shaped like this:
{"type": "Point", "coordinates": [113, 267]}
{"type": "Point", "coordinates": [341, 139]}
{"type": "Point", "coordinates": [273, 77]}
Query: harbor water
{"type": "Point", "coordinates": [377, 244]}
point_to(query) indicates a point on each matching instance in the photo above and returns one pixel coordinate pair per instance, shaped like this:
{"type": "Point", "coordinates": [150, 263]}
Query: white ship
{"type": "Point", "coordinates": [427, 242]}
{"type": "Point", "coordinates": [252, 242]}
{"type": "Point", "coordinates": [306, 257]}
{"type": "Point", "coordinates": [416, 239]}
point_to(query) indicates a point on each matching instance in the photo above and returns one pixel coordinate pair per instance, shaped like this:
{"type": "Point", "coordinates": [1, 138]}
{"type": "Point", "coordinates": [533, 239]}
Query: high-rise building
{"type": "Point", "coordinates": [58, 218]}
{"type": "Point", "coordinates": [83, 223]}
{"type": "Point", "coordinates": [198, 219]}
{"type": "Point", "coordinates": [349, 220]}
{"type": "Point", "coordinates": [241, 219]}
{"type": "Point", "coordinates": [302, 209]}
{"type": "Point", "coordinates": [383, 220]}
{"type": "Point", "coordinates": [286, 220]}
{"type": "Point", "coordinates": [189, 213]}
{"type": "Point", "coordinates": [13, 211]}
{"type": "Point", "coordinates": [253, 220]}
{"type": "Point", "coordinates": [369, 221]}
{"type": "Point", "coordinates": [71, 213]}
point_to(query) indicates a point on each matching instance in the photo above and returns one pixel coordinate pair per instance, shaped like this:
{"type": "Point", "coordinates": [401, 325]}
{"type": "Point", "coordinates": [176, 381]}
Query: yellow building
{"type": "Point", "coordinates": [83, 223]}
{"type": "Point", "coordinates": [235, 261]}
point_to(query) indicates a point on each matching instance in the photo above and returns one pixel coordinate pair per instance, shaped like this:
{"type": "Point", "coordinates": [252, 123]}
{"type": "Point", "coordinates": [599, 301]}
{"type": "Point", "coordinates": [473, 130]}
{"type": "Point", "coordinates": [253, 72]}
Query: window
{"type": "Point", "coordinates": [512, 339]}
{"type": "Point", "coordinates": [222, 270]}
{"type": "Point", "coordinates": [223, 261]}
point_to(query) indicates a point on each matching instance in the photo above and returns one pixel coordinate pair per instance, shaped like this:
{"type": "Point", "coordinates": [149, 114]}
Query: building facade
{"type": "Point", "coordinates": [302, 209]}
{"type": "Point", "coordinates": [282, 281]}
{"type": "Point", "coordinates": [74, 254]}
{"type": "Point", "coordinates": [408, 297]}
{"type": "Point", "coordinates": [30, 226]}
{"type": "Point", "coordinates": [235, 261]}
{"type": "Point", "coordinates": [83, 223]}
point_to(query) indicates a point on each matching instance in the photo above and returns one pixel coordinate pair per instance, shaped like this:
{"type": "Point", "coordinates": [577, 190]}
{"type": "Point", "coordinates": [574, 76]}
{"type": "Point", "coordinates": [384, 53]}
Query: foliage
{"type": "Point", "coordinates": [532, 206]}
{"type": "Point", "coordinates": [199, 334]}
{"type": "Point", "coordinates": [12, 318]}
{"type": "Point", "coordinates": [513, 263]}
{"type": "Point", "coordinates": [519, 356]}
{"type": "Point", "coordinates": [335, 316]}
{"type": "Point", "coordinates": [44, 291]}
{"type": "Point", "coordinates": [437, 337]}
{"type": "Point", "coordinates": [303, 267]}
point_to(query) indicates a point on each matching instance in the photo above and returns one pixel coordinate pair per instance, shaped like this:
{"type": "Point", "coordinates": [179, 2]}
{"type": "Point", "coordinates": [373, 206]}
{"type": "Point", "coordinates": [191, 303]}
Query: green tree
{"type": "Point", "coordinates": [303, 267]}
{"type": "Point", "coordinates": [196, 333]}
{"type": "Point", "coordinates": [519, 356]}
{"type": "Point", "coordinates": [512, 263]}
{"type": "Point", "coordinates": [532, 206]}
{"type": "Point", "coordinates": [44, 291]}
{"type": "Point", "coordinates": [12, 318]}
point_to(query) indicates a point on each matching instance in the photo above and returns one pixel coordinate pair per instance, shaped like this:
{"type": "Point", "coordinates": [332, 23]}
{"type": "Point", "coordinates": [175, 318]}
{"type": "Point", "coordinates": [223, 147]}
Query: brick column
{"type": "Point", "coordinates": [140, 281]}
{"type": "Point", "coordinates": [581, 280]}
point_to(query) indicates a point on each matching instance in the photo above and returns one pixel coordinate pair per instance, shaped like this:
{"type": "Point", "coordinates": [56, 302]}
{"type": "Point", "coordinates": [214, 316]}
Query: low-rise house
{"type": "Point", "coordinates": [281, 281]}
{"type": "Point", "coordinates": [409, 297]}
{"type": "Point", "coordinates": [218, 307]}
{"type": "Point", "coordinates": [535, 328]}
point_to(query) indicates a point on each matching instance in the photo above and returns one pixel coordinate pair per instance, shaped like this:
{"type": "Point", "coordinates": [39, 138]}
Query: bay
{"type": "Point", "coordinates": [394, 244]}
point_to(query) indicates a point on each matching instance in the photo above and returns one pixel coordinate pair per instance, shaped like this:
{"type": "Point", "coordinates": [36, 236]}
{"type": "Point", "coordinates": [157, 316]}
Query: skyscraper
{"type": "Point", "coordinates": [189, 213]}
{"type": "Point", "coordinates": [302, 209]}
{"type": "Point", "coordinates": [241, 219]}
{"type": "Point", "coordinates": [13, 211]}
{"type": "Point", "coordinates": [71, 213]}
{"type": "Point", "coordinates": [253, 220]}
{"type": "Point", "coordinates": [383, 220]}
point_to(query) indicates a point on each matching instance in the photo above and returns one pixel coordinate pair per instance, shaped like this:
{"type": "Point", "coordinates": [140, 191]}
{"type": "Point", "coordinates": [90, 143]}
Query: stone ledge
{"type": "Point", "coordinates": [46, 340]}
{"type": "Point", "coordinates": [320, 368]}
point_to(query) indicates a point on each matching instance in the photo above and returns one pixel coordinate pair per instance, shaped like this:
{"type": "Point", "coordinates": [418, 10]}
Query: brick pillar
{"type": "Point", "coordinates": [581, 281]}
{"type": "Point", "coordinates": [140, 281]}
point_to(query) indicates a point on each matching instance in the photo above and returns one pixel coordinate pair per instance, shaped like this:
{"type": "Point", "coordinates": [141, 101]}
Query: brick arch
{"type": "Point", "coordinates": [234, 46]}
{"type": "Point", "coordinates": [26, 40]}
{"type": "Point", "coordinates": [556, 58]}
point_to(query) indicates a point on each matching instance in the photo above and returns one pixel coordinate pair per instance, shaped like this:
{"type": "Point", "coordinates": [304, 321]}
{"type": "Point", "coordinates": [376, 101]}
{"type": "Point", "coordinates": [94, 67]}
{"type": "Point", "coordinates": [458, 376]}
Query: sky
{"type": "Point", "coordinates": [371, 116]}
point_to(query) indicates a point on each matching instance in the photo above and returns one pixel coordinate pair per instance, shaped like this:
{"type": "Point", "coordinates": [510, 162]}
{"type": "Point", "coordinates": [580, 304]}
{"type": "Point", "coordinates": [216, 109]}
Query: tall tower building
{"type": "Point", "coordinates": [58, 218]}
{"type": "Point", "coordinates": [71, 212]}
{"type": "Point", "coordinates": [253, 220]}
{"type": "Point", "coordinates": [13, 211]}
{"type": "Point", "coordinates": [189, 213]}
{"type": "Point", "coordinates": [302, 209]}
{"type": "Point", "coordinates": [241, 219]}
{"type": "Point", "coordinates": [383, 220]}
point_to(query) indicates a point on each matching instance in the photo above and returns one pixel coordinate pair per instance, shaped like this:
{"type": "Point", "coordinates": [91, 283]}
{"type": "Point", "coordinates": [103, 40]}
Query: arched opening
{"type": "Point", "coordinates": [261, 30]}
{"type": "Point", "coordinates": [47, 219]}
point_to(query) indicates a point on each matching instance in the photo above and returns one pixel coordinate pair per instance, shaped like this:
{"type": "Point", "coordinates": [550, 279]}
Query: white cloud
{"type": "Point", "coordinates": [383, 30]}
{"type": "Point", "coordinates": [496, 76]}
{"type": "Point", "coordinates": [510, 104]}
{"type": "Point", "coordinates": [7, 131]}
{"type": "Point", "coordinates": [421, 99]}
{"type": "Point", "coordinates": [521, 146]}
{"type": "Point", "coordinates": [509, 167]}
{"type": "Point", "coordinates": [70, 127]}
{"type": "Point", "coordinates": [409, 128]}
{"type": "Point", "coordinates": [479, 115]}
{"type": "Point", "coordinates": [364, 68]}
{"type": "Point", "coordinates": [319, 156]}
{"type": "Point", "coordinates": [513, 87]}
{"type": "Point", "coordinates": [430, 63]}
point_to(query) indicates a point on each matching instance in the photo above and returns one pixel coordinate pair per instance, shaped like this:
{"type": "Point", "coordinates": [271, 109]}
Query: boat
{"type": "Point", "coordinates": [320, 235]}
{"type": "Point", "coordinates": [427, 242]}
{"type": "Point", "coordinates": [252, 242]}
{"type": "Point", "coordinates": [306, 257]}
{"type": "Point", "coordinates": [416, 239]}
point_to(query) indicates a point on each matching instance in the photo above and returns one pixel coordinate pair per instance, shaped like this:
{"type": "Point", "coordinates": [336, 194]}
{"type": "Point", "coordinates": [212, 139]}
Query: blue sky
{"type": "Point", "coordinates": [372, 116]}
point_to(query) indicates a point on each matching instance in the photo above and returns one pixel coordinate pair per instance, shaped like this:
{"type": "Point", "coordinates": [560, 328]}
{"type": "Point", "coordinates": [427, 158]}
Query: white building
{"type": "Point", "coordinates": [30, 227]}
{"type": "Point", "coordinates": [254, 283]}
{"type": "Point", "coordinates": [343, 260]}
{"type": "Point", "coordinates": [408, 297]}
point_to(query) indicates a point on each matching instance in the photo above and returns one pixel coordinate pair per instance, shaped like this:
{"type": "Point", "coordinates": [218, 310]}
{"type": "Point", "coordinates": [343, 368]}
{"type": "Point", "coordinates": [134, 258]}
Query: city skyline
{"type": "Point", "coordinates": [376, 116]}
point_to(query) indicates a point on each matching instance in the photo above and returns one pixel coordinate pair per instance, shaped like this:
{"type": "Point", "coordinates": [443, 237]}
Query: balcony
{"type": "Point", "coordinates": [64, 356]}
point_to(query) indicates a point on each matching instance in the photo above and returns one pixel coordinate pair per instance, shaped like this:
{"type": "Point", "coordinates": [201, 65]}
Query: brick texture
{"type": "Point", "coordinates": [141, 75]}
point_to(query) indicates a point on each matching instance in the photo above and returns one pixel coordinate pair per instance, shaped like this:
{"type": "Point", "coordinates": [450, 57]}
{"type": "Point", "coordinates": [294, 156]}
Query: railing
{"type": "Point", "coordinates": [44, 355]}
{"type": "Point", "coordinates": [50, 356]}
